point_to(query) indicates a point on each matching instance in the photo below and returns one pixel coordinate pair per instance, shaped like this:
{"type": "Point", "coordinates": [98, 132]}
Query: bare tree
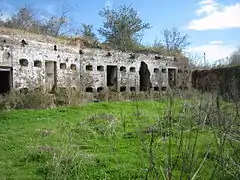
{"type": "Point", "coordinates": [58, 25]}
{"type": "Point", "coordinates": [196, 61]}
{"type": "Point", "coordinates": [24, 19]}
{"type": "Point", "coordinates": [235, 57]}
{"type": "Point", "coordinates": [1, 18]}
{"type": "Point", "coordinates": [174, 41]}
{"type": "Point", "coordinates": [28, 19]}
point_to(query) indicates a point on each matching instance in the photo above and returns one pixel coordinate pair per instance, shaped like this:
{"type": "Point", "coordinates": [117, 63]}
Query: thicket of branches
{"type": "Point", "coordinates": [28, 19]}
{"type": "Point", "coordinates": [122, 29]}
{"type": "Point", "coordinates": [235, 57]}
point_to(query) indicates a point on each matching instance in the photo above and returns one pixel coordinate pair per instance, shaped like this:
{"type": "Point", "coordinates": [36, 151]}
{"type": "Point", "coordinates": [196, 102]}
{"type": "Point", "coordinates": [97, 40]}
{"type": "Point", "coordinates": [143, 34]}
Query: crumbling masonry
{"type": "Point", "coordinates": [30, 61]}
{"type": "Point", "coordinates": [224, 81]}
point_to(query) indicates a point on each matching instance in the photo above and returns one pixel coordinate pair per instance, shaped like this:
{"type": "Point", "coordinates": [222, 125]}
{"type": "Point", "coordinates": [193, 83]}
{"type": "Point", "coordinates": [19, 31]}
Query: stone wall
{"type": "Point", "coordinates": [52, 62]}
{"type": "Point", "coordinates": [223, 81]}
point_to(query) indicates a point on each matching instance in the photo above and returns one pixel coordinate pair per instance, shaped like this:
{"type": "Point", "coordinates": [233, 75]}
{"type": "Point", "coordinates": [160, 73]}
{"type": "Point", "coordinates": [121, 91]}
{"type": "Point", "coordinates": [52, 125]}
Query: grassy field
{"type": "Point", "coordinates": [117, 140]}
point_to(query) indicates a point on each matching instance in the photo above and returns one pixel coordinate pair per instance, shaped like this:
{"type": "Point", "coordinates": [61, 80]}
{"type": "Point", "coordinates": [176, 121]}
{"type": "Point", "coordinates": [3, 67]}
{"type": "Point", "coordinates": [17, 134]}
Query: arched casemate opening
{"type": "Point", "coordinates": [145, 83]}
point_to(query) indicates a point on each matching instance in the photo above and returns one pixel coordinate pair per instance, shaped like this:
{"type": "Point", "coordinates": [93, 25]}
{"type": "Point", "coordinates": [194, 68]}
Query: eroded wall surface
{"type": "Point", "coordinates": [39, 64]}
{"type": "Point", "coordinates": [222, 81]}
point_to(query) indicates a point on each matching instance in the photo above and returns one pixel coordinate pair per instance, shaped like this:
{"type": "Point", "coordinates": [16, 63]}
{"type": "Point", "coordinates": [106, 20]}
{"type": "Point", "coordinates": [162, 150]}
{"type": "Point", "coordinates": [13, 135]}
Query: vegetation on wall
{"type": "Point", "coordinates": [122, 29]}
{"type": "Point", "coordinates": [87, 34]}
{"type": "Point", "coordinates": [27, 19]}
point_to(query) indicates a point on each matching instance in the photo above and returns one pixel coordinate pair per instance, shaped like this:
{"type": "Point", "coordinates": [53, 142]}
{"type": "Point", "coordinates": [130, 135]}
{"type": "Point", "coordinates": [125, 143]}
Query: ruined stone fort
{"type": "Point", "coordinates": [30, 61]}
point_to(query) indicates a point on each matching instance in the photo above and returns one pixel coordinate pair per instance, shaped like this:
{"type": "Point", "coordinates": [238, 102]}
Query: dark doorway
{"type": "Point", "coordinates": [112, 77]}
{"type": "Point", "coordinates": [172, 78]}
{"type": "Point", "coordinates": [145, 83]}
{"type": "Point", "coordinates": [5, 80]}
{"type": "Point", "coordinates": [51, 76]}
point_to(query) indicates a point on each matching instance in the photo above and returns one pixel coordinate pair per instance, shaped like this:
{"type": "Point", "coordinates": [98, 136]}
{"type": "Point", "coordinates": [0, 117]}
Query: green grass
{"type": "Point", "coordinates": [105, 141]}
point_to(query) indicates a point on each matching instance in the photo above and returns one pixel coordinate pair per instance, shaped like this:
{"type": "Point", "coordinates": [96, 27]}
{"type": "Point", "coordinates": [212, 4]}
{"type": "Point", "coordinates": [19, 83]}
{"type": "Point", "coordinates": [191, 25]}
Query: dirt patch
{"type": "Point", "coordinates": [46, 132]}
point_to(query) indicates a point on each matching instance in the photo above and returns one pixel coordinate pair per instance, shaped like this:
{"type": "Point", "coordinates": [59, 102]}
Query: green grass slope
{"type": "Point", "coordinates": [118, 140]}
